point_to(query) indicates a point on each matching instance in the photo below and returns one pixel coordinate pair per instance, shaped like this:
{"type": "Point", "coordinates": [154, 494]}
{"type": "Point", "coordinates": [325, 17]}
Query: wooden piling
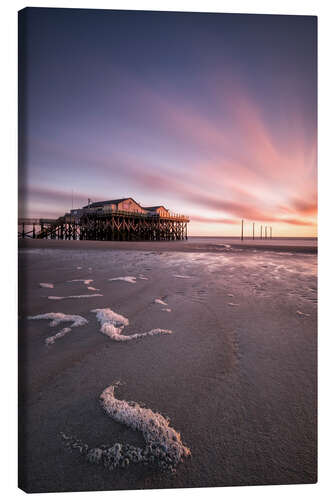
{"type": "Point", "coordinates": [117, 226]}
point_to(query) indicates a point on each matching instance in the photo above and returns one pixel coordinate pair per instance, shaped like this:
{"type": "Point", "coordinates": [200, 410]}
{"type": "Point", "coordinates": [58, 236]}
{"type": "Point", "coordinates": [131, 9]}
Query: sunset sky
{"type": "Point", "coordinates": [211, 115]}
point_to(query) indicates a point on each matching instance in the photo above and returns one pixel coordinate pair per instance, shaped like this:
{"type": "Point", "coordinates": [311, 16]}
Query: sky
{"type": "Point", "coordinates": [211, 115]}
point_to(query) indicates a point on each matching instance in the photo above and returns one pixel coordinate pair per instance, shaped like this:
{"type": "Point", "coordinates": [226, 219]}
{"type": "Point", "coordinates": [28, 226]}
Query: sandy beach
{"type": "Point", "coordinates": [236, 374]}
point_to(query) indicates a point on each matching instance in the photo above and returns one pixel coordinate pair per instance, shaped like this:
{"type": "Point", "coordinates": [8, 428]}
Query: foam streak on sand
{"type": "Point", "coordinates": [112, 325]}
{"type": "Point", "coordinates": [53, 297]}
{"type": "Point", "coordinates": [160, 301]}
{"type": "Point", "coordinates": [300, 313]}
{"type": "Point", "coordinates": [61, 333]}
{"type": "Point", "coordinates": [128, 279]}
{"type": "Point", "coordinates": [56, 319]}
{"type": "Point", "coordinates": [163, 449]}
{"type": "Point", "coordinates": [86, 282]}
{"type": "Point", "coordinates": [46, 285]}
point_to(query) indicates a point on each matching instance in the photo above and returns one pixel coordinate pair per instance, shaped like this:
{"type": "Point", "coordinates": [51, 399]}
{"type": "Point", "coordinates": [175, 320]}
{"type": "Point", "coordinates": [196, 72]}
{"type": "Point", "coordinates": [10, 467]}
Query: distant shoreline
{"type": "Point", "coordinates": [194, 244]}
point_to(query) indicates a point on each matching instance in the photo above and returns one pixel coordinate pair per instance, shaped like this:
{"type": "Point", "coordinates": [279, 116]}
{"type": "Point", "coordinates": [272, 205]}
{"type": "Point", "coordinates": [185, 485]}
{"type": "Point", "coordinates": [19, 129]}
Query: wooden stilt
{"type": "Point", "coordinates": [110, 226]}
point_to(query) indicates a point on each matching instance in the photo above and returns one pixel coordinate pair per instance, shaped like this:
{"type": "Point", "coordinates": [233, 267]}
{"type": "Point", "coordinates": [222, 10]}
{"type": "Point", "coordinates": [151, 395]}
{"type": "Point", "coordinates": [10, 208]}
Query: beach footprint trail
{"type": "Point", "coordinates": [163, 448]}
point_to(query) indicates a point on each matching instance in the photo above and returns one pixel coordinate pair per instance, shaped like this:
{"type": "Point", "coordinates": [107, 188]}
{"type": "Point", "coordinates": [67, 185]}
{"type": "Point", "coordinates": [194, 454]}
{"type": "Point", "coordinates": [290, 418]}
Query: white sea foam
{"type": "Point", "coordinates": [86, 282]}
{"type": "Point", "coordinates": [93, 288]}
{"type": "Point", "coordinates": [164, 447]}
{"type": "Point", "coordinates": [232, 304]}
{"type": "Point", "coordinates": [112, 325]}
{"type": "Point", "coordinates": [53, 297]}
{"type": "Point", "coordinates": [46, 285]}
{"type": "Point", "coordinates": [166, 309]}
{"type": "Point", "coordinates": [128, 279]}
{"type": "Point", "coordinates": [62, 333]}
{"type": "Point", "coordinates": [141, 277]}
{"type": "Point", "coordinates": [154, 427]}
{"type": "Point", "coordinates": [230, 295]}
{"type": "Point", "coordinates": [300, 313]}
{"type": "Point", "coordinates": [56, 319]}
{"type": "Point", "coordinates": [160, 301]}
{"type": "Point", "coordinates": [106, 316]}
{"type": "Point", "coordinates": [181, 276]}
{"type": "Point", "coordinates": [79, 267]}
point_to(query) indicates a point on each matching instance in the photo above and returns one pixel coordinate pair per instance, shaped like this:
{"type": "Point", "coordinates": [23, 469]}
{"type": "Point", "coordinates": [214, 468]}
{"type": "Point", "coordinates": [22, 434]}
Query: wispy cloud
{"type": "Point", "coordinates": [207, 220]}
{"type": "Point", "coordinates": [243, 168]}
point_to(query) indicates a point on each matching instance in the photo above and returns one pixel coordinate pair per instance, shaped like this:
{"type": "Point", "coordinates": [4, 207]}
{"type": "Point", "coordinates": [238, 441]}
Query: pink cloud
{"type": "Point", "coordinates": [198, 218]}
{"type": "Point", "coordinates": [242, 170]}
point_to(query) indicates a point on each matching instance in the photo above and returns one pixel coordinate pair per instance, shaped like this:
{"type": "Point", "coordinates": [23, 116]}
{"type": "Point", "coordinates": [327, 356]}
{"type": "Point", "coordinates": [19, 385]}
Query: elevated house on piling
{"type": "Point", "coordinates": [158, 210]}
{"type": "Point", "coordinates": [120, 205]}
{"type": "Point", "coordinates": [118, 219]}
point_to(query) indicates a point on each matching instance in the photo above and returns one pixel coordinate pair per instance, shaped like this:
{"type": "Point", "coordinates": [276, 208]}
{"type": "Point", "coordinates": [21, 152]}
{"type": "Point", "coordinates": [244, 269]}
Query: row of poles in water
{"type": "Point", "coordinates": [264, 235]}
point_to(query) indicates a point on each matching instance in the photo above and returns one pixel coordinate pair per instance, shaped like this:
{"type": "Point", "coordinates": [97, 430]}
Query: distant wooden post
{"type": "Point", "coordinates": [242, 233]}
{"type": "Point", "coordinates": [265, 232]}
{"type": "Point", "coordinates": [261, 232]}
{"type": "Point", "coordinates": [271, 231]}
{"type": "Point", "coordinates": [253, 231]}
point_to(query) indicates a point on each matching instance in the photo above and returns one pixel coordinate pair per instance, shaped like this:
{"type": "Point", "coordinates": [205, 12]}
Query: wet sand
{"type": "Point", "coordinates": [237, 376]}
{"type": "Point", "coordinates": [193, 244]}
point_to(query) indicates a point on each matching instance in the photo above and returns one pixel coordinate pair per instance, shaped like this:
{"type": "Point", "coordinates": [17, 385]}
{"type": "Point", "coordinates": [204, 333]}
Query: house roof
{"type": "Point", "coordinates": [109, 202]}
{"type": "Point", "coordinates": [119, 200]}
{"type": "Point", "coordinates": [155, 208]}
